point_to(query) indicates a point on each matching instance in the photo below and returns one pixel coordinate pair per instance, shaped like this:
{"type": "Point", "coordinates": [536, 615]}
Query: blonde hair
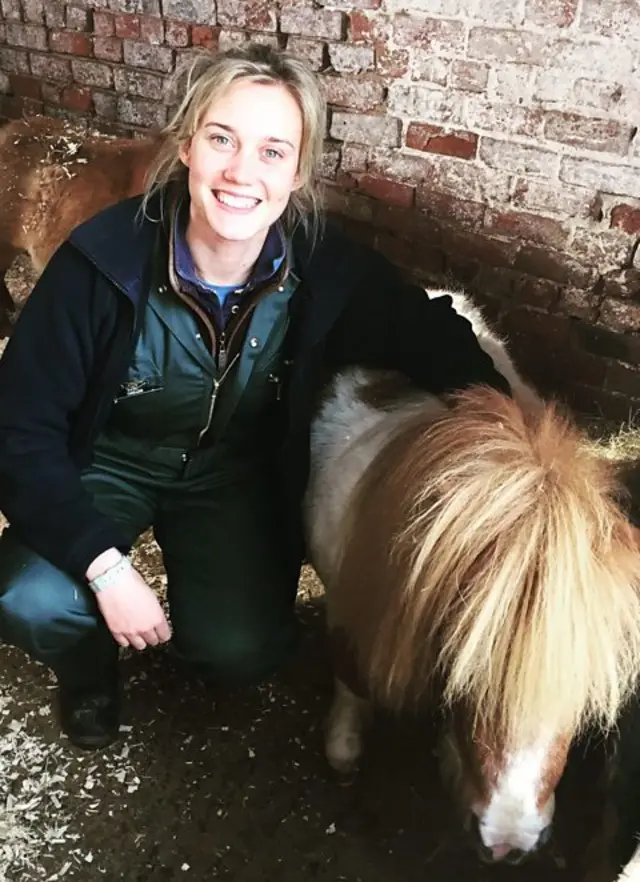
{"type": "Point", "coordinates": [208, 76]}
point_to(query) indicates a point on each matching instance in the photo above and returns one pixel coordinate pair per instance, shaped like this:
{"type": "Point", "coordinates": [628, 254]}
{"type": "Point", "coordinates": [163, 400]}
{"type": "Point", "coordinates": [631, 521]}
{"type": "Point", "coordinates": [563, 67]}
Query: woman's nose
{"type": "Point", "coordinates": [241, 168]}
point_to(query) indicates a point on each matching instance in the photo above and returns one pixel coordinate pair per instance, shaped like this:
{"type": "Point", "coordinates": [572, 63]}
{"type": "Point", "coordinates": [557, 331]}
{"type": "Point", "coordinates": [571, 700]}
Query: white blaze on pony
{"type": "Point", "coordinates": [473, 548]}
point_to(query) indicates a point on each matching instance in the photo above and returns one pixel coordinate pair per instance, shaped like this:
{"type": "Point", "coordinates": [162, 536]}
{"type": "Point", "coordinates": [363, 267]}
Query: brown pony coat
{"type": "Point", "coordinates": [54, 176]}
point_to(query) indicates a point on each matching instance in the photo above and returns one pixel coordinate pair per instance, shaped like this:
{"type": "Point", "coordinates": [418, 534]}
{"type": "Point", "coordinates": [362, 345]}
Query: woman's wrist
{"type": "Point", "coordinates": [102, 563]}
{"type": "Point", "coordinates": [113, 574]}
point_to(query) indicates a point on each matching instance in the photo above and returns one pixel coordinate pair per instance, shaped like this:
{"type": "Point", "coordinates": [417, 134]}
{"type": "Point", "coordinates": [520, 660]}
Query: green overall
{"type": "Point", "coordinates": [188, 450]}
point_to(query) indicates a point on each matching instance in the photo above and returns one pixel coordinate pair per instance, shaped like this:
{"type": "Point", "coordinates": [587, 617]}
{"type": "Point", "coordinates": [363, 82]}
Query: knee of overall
{"type": "Point", "coordinates": [44, 616]}
{"type": "Point", "coordinates": [239, 656]}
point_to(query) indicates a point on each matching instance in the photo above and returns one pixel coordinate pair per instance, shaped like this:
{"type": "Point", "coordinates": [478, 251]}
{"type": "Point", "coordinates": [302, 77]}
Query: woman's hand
{"type": "Point", "coordinates": [129, 606]}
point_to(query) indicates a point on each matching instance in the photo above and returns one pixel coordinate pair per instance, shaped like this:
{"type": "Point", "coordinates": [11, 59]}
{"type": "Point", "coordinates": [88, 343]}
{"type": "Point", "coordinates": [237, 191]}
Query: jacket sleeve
{"type": "Point", "coordinates": [390, 324]}
{"type": "Point", "coordinates": [44, 376]}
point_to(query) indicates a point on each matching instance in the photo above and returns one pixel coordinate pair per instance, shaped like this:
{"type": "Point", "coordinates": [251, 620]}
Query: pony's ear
{"type": "Point", "coordinates": [185, 152]}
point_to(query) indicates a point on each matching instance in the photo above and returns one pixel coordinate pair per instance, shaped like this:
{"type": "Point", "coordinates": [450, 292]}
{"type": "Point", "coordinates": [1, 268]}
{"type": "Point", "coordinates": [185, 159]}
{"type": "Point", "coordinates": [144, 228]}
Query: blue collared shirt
{"type": "Point", "coordinates": [219, 300]}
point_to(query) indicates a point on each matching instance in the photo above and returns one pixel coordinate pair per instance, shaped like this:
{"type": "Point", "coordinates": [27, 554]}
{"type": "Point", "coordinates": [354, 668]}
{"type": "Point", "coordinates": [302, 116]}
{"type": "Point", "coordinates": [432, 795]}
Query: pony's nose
{"type": "Point", "coordinates": [508, 855]}
{"type": "Point", "coordinates": [501, 853]}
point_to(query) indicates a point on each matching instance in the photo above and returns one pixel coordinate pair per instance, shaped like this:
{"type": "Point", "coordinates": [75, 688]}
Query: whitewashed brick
{"type": "Point", "coordinates": [427, 67]}
{"type": "Point", "coordinates": [433, 7]}
{"type": "Point", "coordinates": [551, 13]}
{"type": "Point", "coordinates": [442, 36]}
{"type": "Point", "coordinates": [198, 11]}
{"type": "Point", "coordinates": [538, 194]}
{"type": "Point", "coordinates": [615, 101]}
{"type": "Point", "coordinates": [494, 44]}
{"type": "Point", "coordinates": [138, 112]}
{"type": "Point", "coordinates": [141, 83]}
{"type": "Point", "coordinates": [144, 55]}
{"type": "Point", "coordinates": [499, 13]}
{"type": "Point", "coordinates": [607, 17]}
{"type": "Point", "coordinates": [553, 86]}
{"type": "Point", "coordinates": [15, 61]}
{"type": "Point", "coordinates": [361, 128]}
{"type": "Point", "coordinates": [92, 73]}
{"type": "Point", "coordinates": [458, 177]}
{"type": "Point", "coordinates": [230, 39]}
{"type": "Point", "coordinates": [620, 180]}
{"type": "Point", "coordinates": [511, 82]}
{"type": "Point", "coordinates": [311, 50]}
{"type": "Point", "coordinates": [354, 157]}
{"type": "Point", "coordinates": [599, 96]}
{"type": "Point", "coordinates": [330, 162]}
{"type": "Point", "coordinates": [606, 250]}
{"type": "Point", "coordinates": [351, 59]}
{"type": "Point", "coordinates": [469, 76]}
{"type": "Point", "coordinates": [505, 119]}
{"type": "Point", "coordinates": [322, 24]}
{"type": "Point", "coordinates": [595, 60]}
{"type": "Point", "coordinates": [426, 103]}
{"type": "Point", "coordinates": [518, 158]}
{"type": "Point", "coordinates": [257, 15]}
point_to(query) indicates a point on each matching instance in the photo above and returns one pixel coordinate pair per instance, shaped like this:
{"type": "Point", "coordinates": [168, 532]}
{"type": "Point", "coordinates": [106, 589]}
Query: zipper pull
{"type": "Point", "coordinates": [222, 352]}
{"type": "Point", "coordinates": [275, 379]}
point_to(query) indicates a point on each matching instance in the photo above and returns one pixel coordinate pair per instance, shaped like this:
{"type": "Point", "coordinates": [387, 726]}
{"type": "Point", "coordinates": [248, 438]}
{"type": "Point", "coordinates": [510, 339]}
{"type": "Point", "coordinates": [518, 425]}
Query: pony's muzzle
{"type": "Point", "coordinates": [502, 854]}
{"type": "Point", "coordinates": [505, 853]}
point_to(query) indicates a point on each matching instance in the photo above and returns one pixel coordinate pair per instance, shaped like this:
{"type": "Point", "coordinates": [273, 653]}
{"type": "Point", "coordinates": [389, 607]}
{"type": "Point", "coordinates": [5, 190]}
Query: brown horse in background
{"type": "Point", "coordinates": [53, 176]}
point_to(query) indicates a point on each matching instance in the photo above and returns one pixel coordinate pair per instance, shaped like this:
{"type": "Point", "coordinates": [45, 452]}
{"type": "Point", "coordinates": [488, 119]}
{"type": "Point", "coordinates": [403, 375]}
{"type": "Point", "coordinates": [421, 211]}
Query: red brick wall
{"type": "Point", "coordinates": [491, 142]}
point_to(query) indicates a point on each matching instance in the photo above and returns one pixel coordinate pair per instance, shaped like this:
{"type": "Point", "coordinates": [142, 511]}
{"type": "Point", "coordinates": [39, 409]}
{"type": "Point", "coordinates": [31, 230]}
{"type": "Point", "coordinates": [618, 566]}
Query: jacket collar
{"type": "Point", "coordinates": [119, 242]}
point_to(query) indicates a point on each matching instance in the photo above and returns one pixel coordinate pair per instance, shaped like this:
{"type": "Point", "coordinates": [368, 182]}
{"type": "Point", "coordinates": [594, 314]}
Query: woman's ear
{"type": "Point", "coordinates": [185, 152]}
{"type": "Point", "coordinates": [297, 181]}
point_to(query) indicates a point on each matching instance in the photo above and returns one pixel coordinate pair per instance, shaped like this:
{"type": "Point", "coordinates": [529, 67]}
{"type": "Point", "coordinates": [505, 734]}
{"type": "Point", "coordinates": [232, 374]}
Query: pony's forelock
{"type": "Point", "coordinates": [519, 572]}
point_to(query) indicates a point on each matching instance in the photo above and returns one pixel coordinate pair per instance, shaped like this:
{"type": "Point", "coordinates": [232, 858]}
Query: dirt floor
{"type": "Point", "coordinates": [207, 786]}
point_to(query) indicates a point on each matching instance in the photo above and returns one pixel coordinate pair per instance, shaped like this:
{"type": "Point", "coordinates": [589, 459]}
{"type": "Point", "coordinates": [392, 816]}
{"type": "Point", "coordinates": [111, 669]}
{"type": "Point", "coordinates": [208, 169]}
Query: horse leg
{"type": "Point", "coordinates": [346, 721]}
{"type": "Point", "coordinates": [7, 304]}
{"type": "Point", "coordinates": [7, 308]}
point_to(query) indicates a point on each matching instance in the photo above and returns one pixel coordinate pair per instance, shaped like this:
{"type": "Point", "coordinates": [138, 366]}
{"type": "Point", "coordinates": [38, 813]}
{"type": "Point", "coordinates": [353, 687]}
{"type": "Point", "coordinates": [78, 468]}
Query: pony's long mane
{"type": "Point", "coordinates": [488, 549]}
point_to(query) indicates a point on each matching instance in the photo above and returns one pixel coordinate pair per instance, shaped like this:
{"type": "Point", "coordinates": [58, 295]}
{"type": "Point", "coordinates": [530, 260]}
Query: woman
{"type": "Point", "coordinates": [163, 374]}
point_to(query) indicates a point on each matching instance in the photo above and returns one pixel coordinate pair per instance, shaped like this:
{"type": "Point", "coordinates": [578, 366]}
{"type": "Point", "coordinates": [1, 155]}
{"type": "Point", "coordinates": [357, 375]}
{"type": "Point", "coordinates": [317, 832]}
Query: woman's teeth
{"type": "Point", "coordinates": [236, 201]}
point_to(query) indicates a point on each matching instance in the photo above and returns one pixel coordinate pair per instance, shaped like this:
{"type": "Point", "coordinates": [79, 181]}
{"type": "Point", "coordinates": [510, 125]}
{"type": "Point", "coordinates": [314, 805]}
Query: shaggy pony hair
{"type": "Point", "coordinates": [485, 552]}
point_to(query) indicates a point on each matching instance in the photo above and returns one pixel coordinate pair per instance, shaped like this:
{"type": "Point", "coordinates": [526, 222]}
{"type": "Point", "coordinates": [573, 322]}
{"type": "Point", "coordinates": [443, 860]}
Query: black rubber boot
{"type": "Point", "coordinates": [91, 720]}
{"type": "Point", "coordinates": [89, 695]}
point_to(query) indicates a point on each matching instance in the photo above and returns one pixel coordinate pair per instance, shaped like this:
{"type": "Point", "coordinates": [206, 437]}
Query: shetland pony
{"type": "Point", "coordinates": [53, 176]}
{"type": "Point", "coordinates": [473, 552]}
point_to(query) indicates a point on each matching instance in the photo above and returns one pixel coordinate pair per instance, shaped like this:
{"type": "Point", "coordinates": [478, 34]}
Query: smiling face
{"type": "Point", "coordinates": [243, 162]}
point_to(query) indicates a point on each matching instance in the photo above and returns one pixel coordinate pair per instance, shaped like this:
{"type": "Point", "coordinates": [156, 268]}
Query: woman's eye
{"type": "Point", "coordinates": [222, 140]}
{"type": "Point", "coordinates": [270, 153]}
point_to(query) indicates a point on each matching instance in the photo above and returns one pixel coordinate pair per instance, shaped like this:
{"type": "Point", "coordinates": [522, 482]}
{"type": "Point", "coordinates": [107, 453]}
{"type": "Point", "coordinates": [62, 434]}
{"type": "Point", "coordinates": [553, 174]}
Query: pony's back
{"type": "Point", "coordinates": [53, 176]}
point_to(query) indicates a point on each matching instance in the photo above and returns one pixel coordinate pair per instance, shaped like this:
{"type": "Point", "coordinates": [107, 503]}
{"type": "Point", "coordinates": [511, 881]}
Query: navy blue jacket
{"type": "Point", "coordinates": [72, 345]}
